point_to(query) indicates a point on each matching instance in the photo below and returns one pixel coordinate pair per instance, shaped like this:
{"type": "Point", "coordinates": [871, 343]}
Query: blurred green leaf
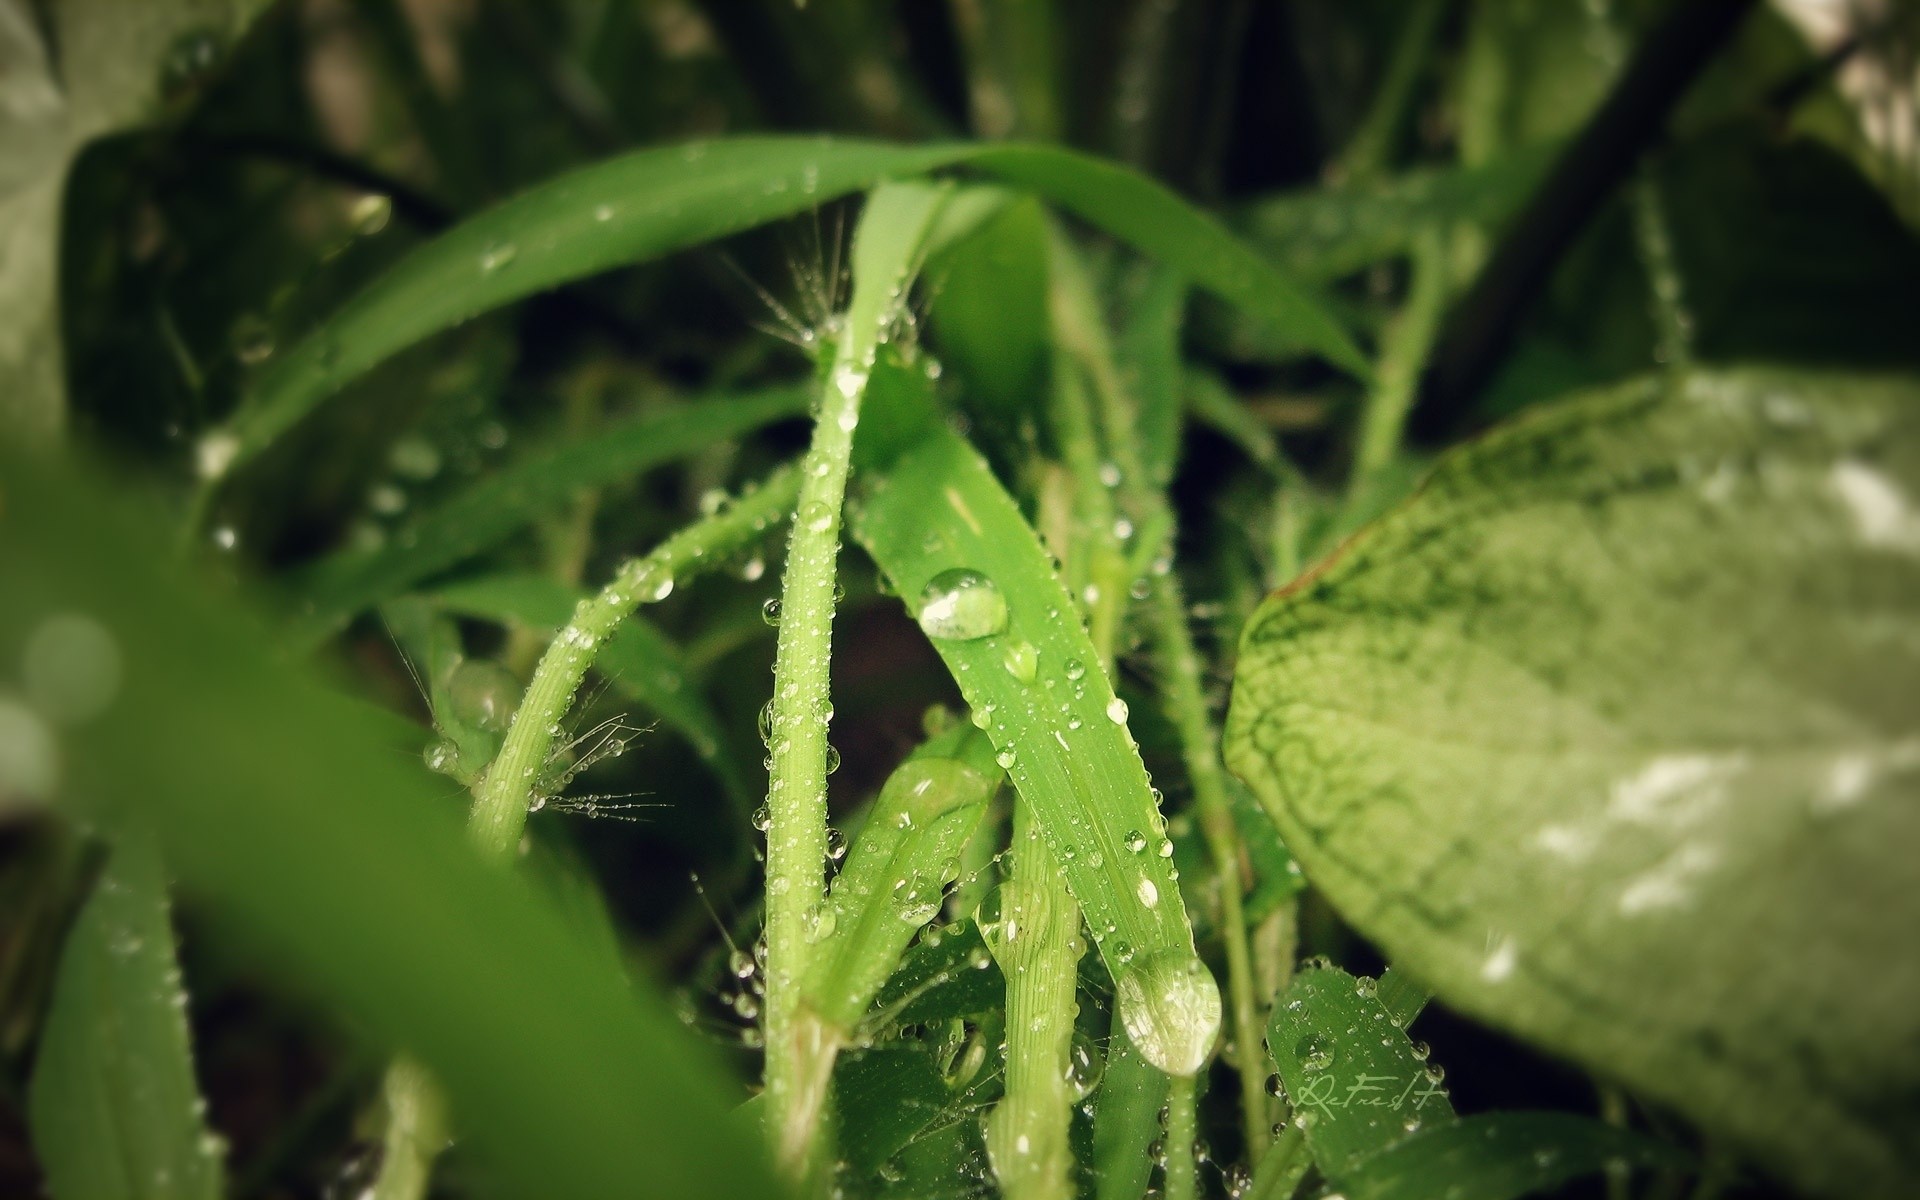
{"type": "Point", "coordinates": [541, 480]}
{"type": "Point", "coordinates": [115, 1110]}
{"type": "Point", "coordinates": [1502, 1156]}
{"type": "Point", "coordinates": [93, 68]}
{"type": "Point", "coordinates": [1622, 704]}
{"type": "Point", "coordinates": [882, 1097]}
{"type": "Point", "coordinates": [331, 859]}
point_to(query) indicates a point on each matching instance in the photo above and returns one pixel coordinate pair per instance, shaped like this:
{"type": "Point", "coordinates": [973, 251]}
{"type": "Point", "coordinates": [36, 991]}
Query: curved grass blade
{"type": "Point", "coordinates": [116, 1113]}
{"type": "Point", "coordinates": [1503, 1156]}
{"type": "Point", "coordinates": [652, 202]}
{"type": "Point", "coordinates": [896, 873]}
{"type": "Point", "coordinates": [639, 660]}
{"type": "Point", "coordinates": [475, 519]}
{"type": "Point", "coordinates": [1126, 1120]}
{"type": "Point", "coordinates": [937, 522]}
{"type": "Point", "coordinates": [332, 862]}
{"type": "Point", "coordinates": [1356, 1082]}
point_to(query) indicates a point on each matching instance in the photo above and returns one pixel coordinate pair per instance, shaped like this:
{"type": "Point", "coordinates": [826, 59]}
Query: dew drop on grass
{"type": "Point", "coordinates": [1076, 669]}
{"type": "Point", "coordinates": [770, 610]}
{"type": "Point", "coordinates": [1170, 1008]}
{"type": "Point", "coordinates": [962, 605]}
{"type": "Point", "coordinates": [1117, 711]}
{"type": "Point", "coordinates": [483, 694]}
{"type": "Point", "coordinates": [1148, 893]}
{"type": "Point", "coordinates": [441, 756]}
{"type": "Point", "coordinates": [1135, 841]}
{"type": "Point", "coordinates": [1022, 661]}
{"type": "Point", "coordinates": [215, 453]}
{"type": "Point", "coordinates": [370, 213]}
{"type": "Point", "coordinates": [1315, 1052]}
{"type": "Point", "coordinates": [497, 256]}
{"type": "Point", "coordinates": [1006, 760]}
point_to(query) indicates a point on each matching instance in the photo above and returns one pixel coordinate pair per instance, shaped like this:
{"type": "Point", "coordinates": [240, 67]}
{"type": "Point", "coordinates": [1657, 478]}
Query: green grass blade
{"type": "Point", "coordinates": [652, 202]}
{"type": "Point", "coordinates": [1356, 1082]}
{"type": "Point", "coordinates": [115, 1111]}
{"type": "Point", "coordinates": [639, 660]}
{"type": "Point", "coordinates": [929, 506]}
{"type": "Point", "coordinates": [539, 481]}
{"type": "Point", "coordinates": [896, 873]}
{"type": "Point", "coordinates": [338, 866]}
{"type": "Point", "coordinates": [1503, 1156]}
{"type": "Point", "coordinates": [1126, 1120]}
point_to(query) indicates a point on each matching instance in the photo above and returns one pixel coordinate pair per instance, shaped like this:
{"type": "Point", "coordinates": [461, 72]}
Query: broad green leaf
{"type": "Point", "coordinates": [115, 1111]}
{"type": "Point", "coordinates": [948, 973]}
{"type": "Point", "coordinates": [882, 1098]}
{"type": "Point", "coordinates": [640, 661]}
{"type": "Point", "coordinates": [974, 574]}
{"type": "Point", "coordinates": [541, 480]}
{"type": "Point", "coordinates": [335, 863]}
{"type": "Point", "coordinates": [100, 70]}
{"type": "Point", "coordinates": [1357, 1084]}
{"type": "Point", "coordinates": [652, 202]}
{"type": "Point", "coordinates": [1502, 1156]}
{"type": "Point", "coordinates": [1612, 736]}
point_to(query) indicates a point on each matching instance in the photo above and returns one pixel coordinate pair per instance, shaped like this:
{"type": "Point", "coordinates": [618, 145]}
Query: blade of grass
{"type": "Point", "coordinates": [1126, 1120]}
{"type": "Point", "coordinates": [895, 877]}
{"type": "Point", "coordinates": [277, 804]}
{"type": "Point", "coordinates": [929, 505]}
{"type": "Point", "coordinates": [887, 249]}
{"type": "Point", "coordinates": [502, 799]}
{"type": "Point", "coordinates": [639, 660]}
{"type": "Point", "coordinates": [1036, 940]}
{"type": "Point", "coordinates": [115, 1111]}
{"type": "Point", "coordinates": [537, 482]}
{"type": "Point", "coordinates": [651, 202]}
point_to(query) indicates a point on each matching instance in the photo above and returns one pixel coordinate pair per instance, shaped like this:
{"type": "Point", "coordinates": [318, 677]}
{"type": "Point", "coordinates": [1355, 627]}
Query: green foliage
{"type": "Point", "coordinates": [116, 1112]}
{"type": "Point", "coordinates": [1605, 733]}
{"type": "Point", "coordinates": [1615, 709]}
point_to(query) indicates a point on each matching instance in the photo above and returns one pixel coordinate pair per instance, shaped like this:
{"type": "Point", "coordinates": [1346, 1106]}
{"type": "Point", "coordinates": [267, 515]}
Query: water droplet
{"type": "Point", "coordinates": [1085, 1066]}
{"type": "Point", "coordinates": [1170, 1008]}
{"type": "Point", "coordinates": [961, 605]}
{"type": "Point", "coordinates": [1022, 661]}
{"type": "Point", "coordinates": [1076, 669]}
{"type": "Point", "coordinates": [1135, 841]}
{"type": "Point", "coordinates": [252, 339]}
{"type": "Point", "coordinates": [770, 610]}
{"type": "Point", "coordinates": [414, 457]}
{"type": "Point", "coordinates": [215, 453]}
{"type": "Point", "coordinates": [763, 818]}
{"type": "Point", "coordinates": [603, 212]}
{"type": "Point", "coordinates": [441, 756]}
{"type": "Point", "coordinates": [484, 694]}
{"type": "Point", "coordinates": [816, 516]}
{"type": "Point", "coordinates": [836, 844]}
{"type": "Point", "coordinates": [1148, 893]}
{"type": "Point", "coordinates": [1006, 759]}
{"type": "Point", "coordinates": [1315, 1052]}
{"type": "Point", "coordinates": [370, 213]}
{"type": "Point", "coordinates": [1117, 711]}
{"type": "Point", "coordinates": [497, 256]}
{"type": "Point", "coordinates": [833, 760]}
{"type": "Point", "coordinates": [71, 668]}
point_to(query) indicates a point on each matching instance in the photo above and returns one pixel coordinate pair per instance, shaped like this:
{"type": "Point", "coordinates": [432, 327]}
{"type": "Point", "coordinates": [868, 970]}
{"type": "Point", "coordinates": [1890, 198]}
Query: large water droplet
{"type": "Point", "coordinates": [1117, 711]}
{"type": "Point", "coordinates": [1022, 661]}
{"type": "Point", "coordinates": [483, 694]}
{"type": "Point", "coordinates": [1315, 1052]}
{"type": "Point", "coordinates": [961, 605]}
{"type": "Point", "coordinates": [1170, 1007]}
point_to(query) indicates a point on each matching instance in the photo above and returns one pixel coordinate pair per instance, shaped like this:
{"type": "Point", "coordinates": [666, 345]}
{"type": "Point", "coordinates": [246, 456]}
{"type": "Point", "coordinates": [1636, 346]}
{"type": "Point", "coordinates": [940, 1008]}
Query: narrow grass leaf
{"type": "Point", "coordinates": [1126, 1120]}
{"type": "Point", "coordinates": [1356, 1082]}
{"type": "Point", "coordinates": [333, 861]}
{"type": "Point", "coordinates": [651, 202]}
{"type": "Point", "coordinates": [115, 1111]}
{"type": "Point", "coordinates": [897, 872]}
{"type": "Point", "coordinates": [971, 569]}
{"type": "Point", "coordinates": [1503, 1156]}
{"type": "Point", "coordinates": [539, 481]}
{"type": "Point", "coordinates": [640, 661]}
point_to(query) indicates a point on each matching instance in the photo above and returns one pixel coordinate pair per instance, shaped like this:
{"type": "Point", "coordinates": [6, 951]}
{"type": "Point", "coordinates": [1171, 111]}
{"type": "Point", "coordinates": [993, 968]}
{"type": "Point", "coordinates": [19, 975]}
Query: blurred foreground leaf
{"type": "Point", "coordinates": [1620, 708]}
{"type": "Point", "coordinates": [116, 1113]}
{"type": "Point", "coordinates": [335, 861]}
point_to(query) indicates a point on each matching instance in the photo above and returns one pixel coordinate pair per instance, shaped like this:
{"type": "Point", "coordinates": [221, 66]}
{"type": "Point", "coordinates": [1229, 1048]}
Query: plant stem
{"type": "Point", "coordinates": [1284, 1166]}
{"type": "Point", "coordinates": [1182, 1102]}
{"type": "Point", "coordinates": [1372, 144]}
{"type": "Point", "coordinates": [1403, 355]}
{"type": "Point", "coordinates": [416, 1129]}
{"type": "Point", "coordinates": [1200, 750]}
{"type": "Point", "coordinates": [1038, 945]}
{"type": "Point", "coordinates": [415, 1120]}
{"type": "Point", "coordinates": [885, 255]}
{"type": "Point", "coordinates": [1673, 324]}
{"type": "Point", "coordinates": [506, 792]}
